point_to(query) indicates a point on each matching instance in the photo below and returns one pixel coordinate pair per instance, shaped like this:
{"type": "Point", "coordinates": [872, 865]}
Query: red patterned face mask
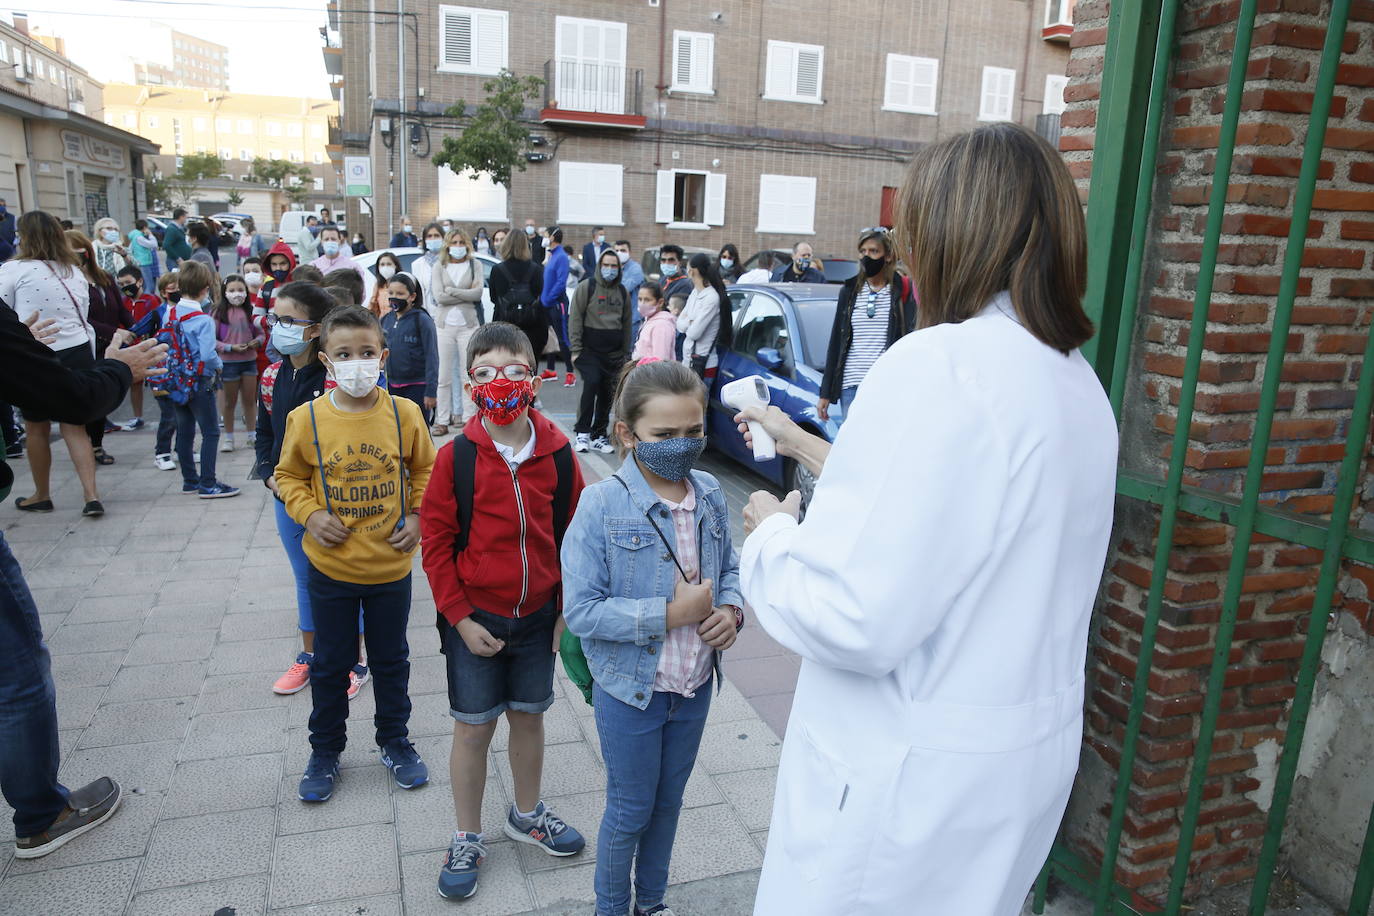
{"type": "Point", "coordinates": [502, 400]}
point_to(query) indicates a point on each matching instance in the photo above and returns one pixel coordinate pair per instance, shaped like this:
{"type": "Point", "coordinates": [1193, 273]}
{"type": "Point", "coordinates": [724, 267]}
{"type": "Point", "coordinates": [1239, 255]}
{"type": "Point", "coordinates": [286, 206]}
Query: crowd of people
{"type": "Point", "coordinates": [347, 393]}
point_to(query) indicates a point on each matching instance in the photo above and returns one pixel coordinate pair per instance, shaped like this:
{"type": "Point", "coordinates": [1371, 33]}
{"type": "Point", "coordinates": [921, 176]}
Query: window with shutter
{"type": "Point", "coordinates": [472, 40]}
{"type": "Point", "coordinates": [590, 193]}
{"type": "Point", "coordinates": [794, 72]}
{"type": "Point", "coordinates": [693, 62]}
{"type": "Point", "coordinates": [787, 204]}
{"type": "Point", "coordinates": [1054, 93]}
{"type": "Point", "coordinates": [689, 199]}
{"type": "Point", "coordinates": [998, 96]}
{"type": "Point", "coordinates": [911, 84]}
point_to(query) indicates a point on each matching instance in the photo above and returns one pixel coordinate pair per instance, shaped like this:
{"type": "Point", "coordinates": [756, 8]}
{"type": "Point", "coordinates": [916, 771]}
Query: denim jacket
{"type": "Point", "coordinates": [618, 578]}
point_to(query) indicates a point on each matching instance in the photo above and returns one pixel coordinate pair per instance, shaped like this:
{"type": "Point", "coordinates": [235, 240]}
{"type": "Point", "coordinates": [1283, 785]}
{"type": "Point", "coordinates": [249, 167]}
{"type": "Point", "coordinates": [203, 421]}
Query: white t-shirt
{"type": "Point", "coordinates": [52, 290]}
{"type": "Point", "coordinates": [757, 275]}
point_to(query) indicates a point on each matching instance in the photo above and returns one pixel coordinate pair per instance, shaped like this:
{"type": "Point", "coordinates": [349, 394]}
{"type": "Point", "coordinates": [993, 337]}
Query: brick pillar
{"type": "Point", "coordinates": [1330, 326]}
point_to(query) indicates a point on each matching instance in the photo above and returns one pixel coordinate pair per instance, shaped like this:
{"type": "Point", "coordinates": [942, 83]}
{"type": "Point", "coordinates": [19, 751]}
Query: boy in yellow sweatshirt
{"type": "Point", "coordinates": [353, 469]}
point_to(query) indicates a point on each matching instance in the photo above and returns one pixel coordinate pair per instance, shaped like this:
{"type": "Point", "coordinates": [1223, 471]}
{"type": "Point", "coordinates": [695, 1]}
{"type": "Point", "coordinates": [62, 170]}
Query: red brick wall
{"type": "Point", "coordinates": [1329, 329]}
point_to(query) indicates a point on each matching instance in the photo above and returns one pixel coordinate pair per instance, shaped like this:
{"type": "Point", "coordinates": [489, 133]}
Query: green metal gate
{"type": "Point", "coordinates": [1135, 87]}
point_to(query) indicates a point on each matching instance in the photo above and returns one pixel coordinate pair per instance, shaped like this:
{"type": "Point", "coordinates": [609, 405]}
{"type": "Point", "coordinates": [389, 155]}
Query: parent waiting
{"type": "Point", "coordinates": [940, 588]}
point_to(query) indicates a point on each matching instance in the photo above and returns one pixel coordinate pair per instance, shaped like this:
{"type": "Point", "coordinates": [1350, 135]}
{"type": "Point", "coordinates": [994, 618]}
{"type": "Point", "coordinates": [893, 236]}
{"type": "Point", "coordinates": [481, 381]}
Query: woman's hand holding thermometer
{"type": "Point", "coordinates": [746, 393]}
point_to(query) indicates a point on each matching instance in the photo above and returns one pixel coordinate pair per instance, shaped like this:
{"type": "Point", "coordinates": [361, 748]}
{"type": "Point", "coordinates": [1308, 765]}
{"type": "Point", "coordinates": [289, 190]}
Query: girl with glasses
{"type": "Point", "coordinates": [876, 308]}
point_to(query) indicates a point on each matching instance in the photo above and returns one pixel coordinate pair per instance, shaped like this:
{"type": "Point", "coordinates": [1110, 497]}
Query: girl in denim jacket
{"type": "Point", "coordinates": [651, 585]}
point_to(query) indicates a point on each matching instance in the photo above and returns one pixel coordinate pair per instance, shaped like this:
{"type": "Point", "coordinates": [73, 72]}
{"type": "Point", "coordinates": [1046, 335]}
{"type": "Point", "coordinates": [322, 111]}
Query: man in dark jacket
{"type": "Point", "coordinates": [174, 239]}
{"type": "Point", "coordinates": [405, 238]}
{"type": "Point", "coordinates": [47, 814]}
{"type": "Point", "coordinates": [800, 270]}
{"type": "Point", "coordinates": [591, 252]}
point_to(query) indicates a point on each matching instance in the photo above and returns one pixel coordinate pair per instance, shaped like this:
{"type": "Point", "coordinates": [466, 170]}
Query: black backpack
{"type": "Point", "coordinates": [519, 305]}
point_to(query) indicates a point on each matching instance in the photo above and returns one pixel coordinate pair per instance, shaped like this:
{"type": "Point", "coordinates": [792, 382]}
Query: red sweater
{"type": "Point", "coordinates": [501, 571]}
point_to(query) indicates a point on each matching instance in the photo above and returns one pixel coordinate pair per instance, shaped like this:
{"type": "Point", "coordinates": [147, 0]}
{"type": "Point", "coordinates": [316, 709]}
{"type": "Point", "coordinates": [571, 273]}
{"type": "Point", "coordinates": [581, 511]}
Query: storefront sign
{"type": "Point", "coordinates": [88, 150]}
{"type": "Point", "coordinates": [357, 176]}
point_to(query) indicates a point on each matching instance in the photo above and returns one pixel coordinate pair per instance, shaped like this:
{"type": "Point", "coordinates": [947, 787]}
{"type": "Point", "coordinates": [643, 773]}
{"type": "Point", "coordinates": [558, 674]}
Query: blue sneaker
{"type": "Point", "coordinates": [545, 830]}
{"type": "Point", "coordinates": [190, 489]}
{"type": "Point", "coordinates": [218, 491]}
{"type": "Point", "coordinates": [458, 877]}
{"type": "Point", "coordinates": [405, 764]}
{"type": "Point", "coordinates": [317, 785]}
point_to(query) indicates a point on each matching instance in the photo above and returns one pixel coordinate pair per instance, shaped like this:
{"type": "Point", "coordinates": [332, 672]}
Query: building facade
{"type": "Point", "coordinates": [56, 154]}
{"type": "Point", "coordinates": [238, 127]}
{"type": "Point", "coordinates": [187, 61]}
{"type": "Point", "coordinates": [753, 123]}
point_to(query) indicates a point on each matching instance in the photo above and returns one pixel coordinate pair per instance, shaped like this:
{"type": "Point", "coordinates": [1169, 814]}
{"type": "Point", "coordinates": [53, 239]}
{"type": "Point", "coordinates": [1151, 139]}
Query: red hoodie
{"type": "Point", "coordinates": [500, 571]}
{"type": "Point", "coordinates": [270, 284]}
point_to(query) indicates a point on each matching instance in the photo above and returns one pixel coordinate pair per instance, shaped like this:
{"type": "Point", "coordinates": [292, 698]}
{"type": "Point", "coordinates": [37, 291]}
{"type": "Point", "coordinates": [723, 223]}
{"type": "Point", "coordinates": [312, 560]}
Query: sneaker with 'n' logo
{"type": "Point", "coordinates": [546, 830]}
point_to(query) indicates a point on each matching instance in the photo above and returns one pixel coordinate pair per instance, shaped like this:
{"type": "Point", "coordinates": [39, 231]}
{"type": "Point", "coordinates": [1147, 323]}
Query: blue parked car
{"type": "Point", "coordinates": [780, 334]}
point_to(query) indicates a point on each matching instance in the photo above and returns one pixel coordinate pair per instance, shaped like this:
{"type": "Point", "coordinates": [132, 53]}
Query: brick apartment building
{"type": "Point", "coordinates": [762, 124]}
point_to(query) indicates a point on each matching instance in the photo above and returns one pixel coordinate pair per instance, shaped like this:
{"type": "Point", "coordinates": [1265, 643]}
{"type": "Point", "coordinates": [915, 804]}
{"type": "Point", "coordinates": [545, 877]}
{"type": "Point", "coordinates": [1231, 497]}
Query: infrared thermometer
{"type": "Point", "coordinates": [751, 392]}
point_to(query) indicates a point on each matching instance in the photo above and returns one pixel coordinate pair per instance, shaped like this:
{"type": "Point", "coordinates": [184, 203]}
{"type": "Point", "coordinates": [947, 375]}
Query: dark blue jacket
{"type": "Point", "coordinates": [591, 254]}
{"type": "Point", "coordinates": [413, 349]}
{"type": "Point", "coordinates": [555, 278]}
{"type": "Point", "coordinates": [291, 389]}
{"type": "Point", "coordinates": [786, 274]}
{"type": "Point", "coordinates": [404, 240]}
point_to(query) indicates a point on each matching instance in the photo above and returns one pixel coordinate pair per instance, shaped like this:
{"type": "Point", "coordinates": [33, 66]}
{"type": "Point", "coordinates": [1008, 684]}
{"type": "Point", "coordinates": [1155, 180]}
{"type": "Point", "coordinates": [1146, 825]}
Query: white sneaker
{"type": "Point", "coordinates": [226, 444]}
{"type": "Point", "coordinates": [165, 462]}
{"type": "Point", "coordinates": [252, 440]}
{"type": "Point", "coordinates": [583, 443]}
{"type": "Point", "coordinates": [603, 445]}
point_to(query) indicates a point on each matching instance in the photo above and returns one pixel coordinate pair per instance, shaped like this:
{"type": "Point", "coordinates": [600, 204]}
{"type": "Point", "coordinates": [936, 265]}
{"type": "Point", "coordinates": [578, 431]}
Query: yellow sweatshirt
{"type": "Point", "coordinates": [363, 462]}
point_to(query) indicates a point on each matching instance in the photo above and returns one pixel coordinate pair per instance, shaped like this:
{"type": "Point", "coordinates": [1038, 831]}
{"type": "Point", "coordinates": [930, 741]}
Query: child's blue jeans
{"type": "Point", "coordinates": [199, 410]}
{"type": "Point", "coordinates": [649, 755]}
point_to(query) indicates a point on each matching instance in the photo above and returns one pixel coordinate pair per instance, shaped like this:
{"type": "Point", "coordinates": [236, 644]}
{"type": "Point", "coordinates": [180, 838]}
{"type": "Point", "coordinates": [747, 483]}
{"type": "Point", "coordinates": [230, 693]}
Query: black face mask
{"type": "Point", "coordinates": [174, 297]}
{"type": "Point", "coordinates": [130, 291]}
{"type": "Point", "coordinates": [873, 266]}
{"type": "Point", "coordinates": [399, 305]}
{"type": "Point", "coordinates": [279, 275]}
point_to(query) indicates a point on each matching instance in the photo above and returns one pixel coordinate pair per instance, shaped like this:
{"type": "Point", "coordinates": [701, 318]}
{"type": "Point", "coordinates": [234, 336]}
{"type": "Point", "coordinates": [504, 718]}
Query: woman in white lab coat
{"type": "Point", "coordinates": [940, 587]}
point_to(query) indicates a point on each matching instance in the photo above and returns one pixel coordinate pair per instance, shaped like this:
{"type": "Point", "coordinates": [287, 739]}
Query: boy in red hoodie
{"type": "Point", "coordinates": [139, 304]}
{"type": "Point", "coordinates": [497, 587]}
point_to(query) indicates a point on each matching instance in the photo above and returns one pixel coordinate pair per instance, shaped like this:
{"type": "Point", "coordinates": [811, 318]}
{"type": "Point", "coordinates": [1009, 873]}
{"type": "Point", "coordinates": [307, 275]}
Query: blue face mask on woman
{"type": "Point", "coordinates": [289, 340]}
{"type": "Point", "coordinates": [671, 459]}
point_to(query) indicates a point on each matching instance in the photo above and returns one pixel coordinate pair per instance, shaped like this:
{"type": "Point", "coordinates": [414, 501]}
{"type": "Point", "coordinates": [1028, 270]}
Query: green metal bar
{"type": "Point", "coordinates": [1132, 25]}
{"type": "Point", "coordinates": [1076, 873]}
{"type": "Point", "coordinates": [1364, 875]}
{"type": "Point", "coordinates": [1346, 481]}
{"type": "Point", "coordinates": [1042, 888]}
{"type": "Point", "coordinates": [1259, 445]}
{"type": "Point", "coordinates": [1144, 190]}
{"type": "Point", "coordinates": [1286, 526]}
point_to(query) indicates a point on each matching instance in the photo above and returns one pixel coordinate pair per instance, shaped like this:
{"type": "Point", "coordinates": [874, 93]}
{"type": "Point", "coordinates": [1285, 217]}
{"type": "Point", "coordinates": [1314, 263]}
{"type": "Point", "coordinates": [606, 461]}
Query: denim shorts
{"type": "Point", "coordinates": [238, 369]}
{"type": "Point", "coordinates": [519, 677]}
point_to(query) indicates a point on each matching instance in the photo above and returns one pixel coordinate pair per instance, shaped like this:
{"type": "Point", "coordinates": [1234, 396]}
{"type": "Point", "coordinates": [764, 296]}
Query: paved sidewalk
{"type": "Point", "coordinates": [168, 621]}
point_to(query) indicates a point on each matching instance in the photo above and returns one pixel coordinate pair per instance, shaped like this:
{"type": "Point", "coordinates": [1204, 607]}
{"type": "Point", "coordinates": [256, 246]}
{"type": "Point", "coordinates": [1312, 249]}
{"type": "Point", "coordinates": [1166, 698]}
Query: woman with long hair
{"type": "Point", "coordinates": [45, 278]}
{"type": "Point", "coordinates": [705, 319]}
{"type": "Point", "coordinates": [877, 308]}
{"type": "Point", "coordinates": [515, 285]}
{"type": "Point", "coordinates": [387, 266]}
{"type": "Point", "coordinates": [239, 339]}
{"type": "Point", "coordinates": [107, 314]}
{"type": "Point", "coordinates": [422, 268]}
{"type": "Point", "coordinates": [457, 283]}
{"type": "Point", "coordinates": [728, 263]}
{"type": "Point", "coordinates": [940, 589]}
{"type": "Point", "coordinates": [250, 244]}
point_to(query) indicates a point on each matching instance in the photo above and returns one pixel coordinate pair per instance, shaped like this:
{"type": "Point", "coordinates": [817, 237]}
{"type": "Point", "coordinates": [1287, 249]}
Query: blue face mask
{"type": "Point", "coordinates": [331, 248]}
{"type": "Point", "coordinates": [609, 274]}
{"type": "Point", "coordinates": [669, 270]}
{"type": "Point", "coordinates": [671, 459]}
{"type": "Point", "coordinates": [289, 341]}
{"type": "Point", "coordinates": [727, 263]}
{"type": "Point", "coordinates": [433, 244]}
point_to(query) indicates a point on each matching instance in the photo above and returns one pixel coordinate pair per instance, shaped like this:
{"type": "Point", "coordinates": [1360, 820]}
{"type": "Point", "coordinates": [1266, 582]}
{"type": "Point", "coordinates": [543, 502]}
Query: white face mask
{"type": "Point", "coordinates": [624, 256]}
{"type": "Point", "coordinates": [387, 271]}
{"type": "Point", "coordinates": [253, 278]}
{"type": "Point", "coordinates": [235, 298]}
{"type": "Point", "coordinates": [357, 377]}
{"type": "Point", "coordinates": [548, 242]}
{"type": "Point", "coordinates": [458, 252]}
{"type": "Point", "coordinates": [601, 239]}
{"type": "Point", "coordinates": [406, 228]}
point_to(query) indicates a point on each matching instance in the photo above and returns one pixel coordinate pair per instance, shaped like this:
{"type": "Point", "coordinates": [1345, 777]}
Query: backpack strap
{"type": "Point", "coordinates": [401, 461]}
{"type": "Point", "coordinates": [319, 457]}
{"type": "Point", "coordinates": [464, 481]}
{"type": "Point", "coordinates": [562, 493]}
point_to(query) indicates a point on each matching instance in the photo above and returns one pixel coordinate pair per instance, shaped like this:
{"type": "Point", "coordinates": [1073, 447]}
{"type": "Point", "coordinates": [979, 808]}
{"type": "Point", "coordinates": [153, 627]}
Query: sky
{"type": "Point", "coordinates": [273, 44]}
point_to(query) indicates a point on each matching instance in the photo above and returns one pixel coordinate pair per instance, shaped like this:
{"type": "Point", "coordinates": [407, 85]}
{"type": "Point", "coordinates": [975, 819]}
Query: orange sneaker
{"type": "Point", "coordinates": [296, 677]}
{"type": "Point", "coordinates": [356, 679]}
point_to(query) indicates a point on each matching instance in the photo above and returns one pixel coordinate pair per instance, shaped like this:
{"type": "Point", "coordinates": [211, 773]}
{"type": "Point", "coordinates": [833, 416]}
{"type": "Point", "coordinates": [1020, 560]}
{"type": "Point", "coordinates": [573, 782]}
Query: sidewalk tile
{"type": "Point", "coordinates": [361, 750]}
{"type": "Point", "coordinates": [103, 610]}
{"type": "Point", "coordinates": [710, 842]}
{"type": "Point", "coordinates": [224, 784]}
{"type": "Point", "coordinates": [157, 682]}
{"type": "Point", "coordinates": [753, 642]}
{"type": "Point", "coordinates": [365, 906]}
{"type": "Point", "coordinates": [183, 618]}
{"type": "Point", "coordinates": [243, 657]}
{"type": "Point", "coordinates": [701, 790]}
{"type": "Point", "coordinates": [429, 715]}
{"type": "Point", "coordinates": [425, 819]}
{"type": "Point", "coordinates": [93, 637]}
{"type": "Point", "coordinates": [253, 690]}
{"type": "Point", "coordinates": [138, 723]}
{"type": "Point", "coordinates": [569, 769]}
{"type": "Point", "coordinates": [362, 795]}
{"type": "Point", "coordinates": [234, 734]}
{"type": "Point", "coordinates": [776, 709]}
{"type": "Point", "coordinates": [570, 889]}
{"type": "Point", "coordinates": [581, 811]}
{"type": "Point", "coordinates": [761, 838]}
{"type": "Point", "coordinates": [66, 575]}
{"type": "Point", "coordinates": [730, 746]}
{"type": "Point", "coordinates": [772, 674]}
{"type": "Point", "coordinates": [501, 890]}
{"type": "Point", "coordinates": [192, 849]}
{"type": "Point", "coordinates": [750, 793]}
{"type": "Point", "coordinates": [123, 836]}
{"type": "Point", "coordinates": [428, 675]}
{"type": "Point", "coordinates": [334, 864]}
{"type": "Point", "coordinates": [76, 705]}
{"type": "Point", "coordinates": [730, 705]}
{"type": "Point", "coordinates": [242, 896]}
{"type": "Point", "coordinates": [257, 625]}
{"type": "Point", "coordinates": [84, 890]}
{"type": "Point", "coordinates": [145, 767]}
{"type": "Point", "coordinates": [158, 648]}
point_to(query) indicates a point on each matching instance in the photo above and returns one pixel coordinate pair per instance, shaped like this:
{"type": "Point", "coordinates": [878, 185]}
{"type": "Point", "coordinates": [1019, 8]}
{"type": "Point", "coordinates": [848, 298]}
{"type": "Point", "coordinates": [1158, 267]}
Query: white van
{"type": "Point", "coordinates": [292, 222]}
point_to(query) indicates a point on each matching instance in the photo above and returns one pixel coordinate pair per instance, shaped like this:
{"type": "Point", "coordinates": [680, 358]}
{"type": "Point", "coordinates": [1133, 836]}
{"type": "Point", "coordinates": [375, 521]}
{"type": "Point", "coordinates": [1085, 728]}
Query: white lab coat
{"type": "Point", "coordinates": [938, 592]}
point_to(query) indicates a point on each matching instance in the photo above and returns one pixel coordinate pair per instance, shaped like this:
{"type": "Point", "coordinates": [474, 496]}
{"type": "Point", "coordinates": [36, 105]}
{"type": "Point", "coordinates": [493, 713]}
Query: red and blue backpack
{"type": "Point", "coordinates": [184, 365]}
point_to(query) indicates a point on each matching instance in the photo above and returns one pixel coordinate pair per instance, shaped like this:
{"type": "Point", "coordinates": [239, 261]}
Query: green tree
{"type": "Point", "coordinates": [297, 193]}
{"type": "Point", "coordinates": [200, 166]}
{"type": "Point", "coordinates": [157, 192]}
{"type": "Point", "coordinates": [234, 198]}
{"type": "Point", "coordinates": [494, 138]}
{"type": "Point", "coordinates": [277, 173]}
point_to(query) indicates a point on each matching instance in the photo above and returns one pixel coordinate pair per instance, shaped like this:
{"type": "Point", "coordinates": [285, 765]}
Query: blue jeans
{"type": "Point", "coordinates": [558, 319]}
{"type": "Point", "coordinates": [649, 755]}
{"type": "Point", "coordinates": [150, 275]}
{"type": "Point", "coordinates": [846, 402]}
{"type": "Point", "coordinates": [200, 410]}
{"type": "Point", "coordinates": [28, 707]}
{"type": "Point", "coordinates": [292, 541]}
{"type": "Point", "coordinates": [386, 611]}
{"type": "Point", "coordinates": [166, 425]}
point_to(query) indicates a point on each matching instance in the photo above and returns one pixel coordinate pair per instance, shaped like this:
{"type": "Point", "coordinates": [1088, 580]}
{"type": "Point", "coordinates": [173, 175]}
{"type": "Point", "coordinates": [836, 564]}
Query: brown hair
{"type": "Point", "coordinates": [349, 316]}
{"type": "Point", "coordinates": [641, 382]}
{"type": "Point", "coordinates": [514, 247]}
{"type": "Point", "coordinates": [95, 274]}
{"type": "Point", "coordinates": [166, 280]}
{"type": "Point", "coordinates": [500, 335]}
{"type": "Point", "coordinates": [309, 273]}
{"type": "Point", "coordinates": [194, 278]}
{"type": "Point", "coordinates": [884, 277]}
{"type": "Point", "coordinates": [346, 279]}
{"type": "Point", "coordinates": [453, 236]}
{"type": "Point", "coordinates": [41, 239]}
{"type": "Point", "coordinates": [990, 210]}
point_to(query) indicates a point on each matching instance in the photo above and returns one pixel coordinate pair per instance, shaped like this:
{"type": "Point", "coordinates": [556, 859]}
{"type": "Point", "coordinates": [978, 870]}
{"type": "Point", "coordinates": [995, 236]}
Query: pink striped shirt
{"type": "Point", "coordinates": [686, 661]}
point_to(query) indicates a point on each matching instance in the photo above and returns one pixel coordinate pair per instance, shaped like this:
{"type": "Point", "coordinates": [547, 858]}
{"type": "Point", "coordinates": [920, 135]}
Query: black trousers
{"type": "Point", "coordinates": [600, 362]}
{"type": "Point", "coordinates": [414, 393]}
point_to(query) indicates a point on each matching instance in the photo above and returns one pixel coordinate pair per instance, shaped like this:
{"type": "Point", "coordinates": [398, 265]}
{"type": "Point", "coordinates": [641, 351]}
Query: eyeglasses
{"type": "Point", "coordinates": [872, 304]}
{"type": "Point", "coordinates": [514, 372]}
{"type": "Point", "coordinates": [286, 321]}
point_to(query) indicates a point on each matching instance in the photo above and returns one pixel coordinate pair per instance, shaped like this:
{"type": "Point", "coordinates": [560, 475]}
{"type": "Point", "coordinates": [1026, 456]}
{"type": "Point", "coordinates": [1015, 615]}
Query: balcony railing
{"type": "Point", "coordinates": [608, 95]}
